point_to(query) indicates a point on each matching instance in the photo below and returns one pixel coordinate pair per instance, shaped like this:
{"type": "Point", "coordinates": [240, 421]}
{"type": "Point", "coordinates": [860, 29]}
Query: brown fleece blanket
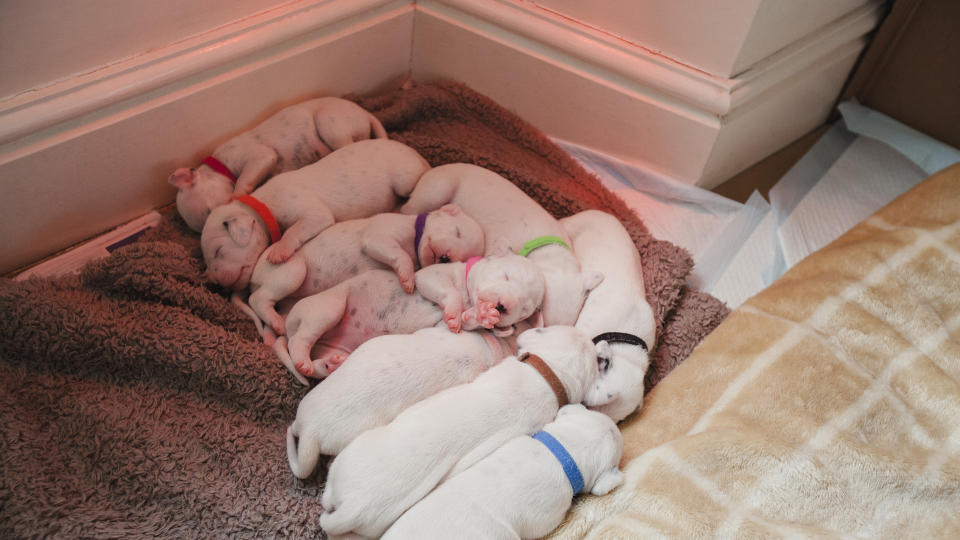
{"type": "Point", "coordinates": [135, 400]}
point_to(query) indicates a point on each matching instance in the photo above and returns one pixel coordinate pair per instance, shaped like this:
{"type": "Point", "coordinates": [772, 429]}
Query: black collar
{"type": "Point", "coordinates": [621, 337]}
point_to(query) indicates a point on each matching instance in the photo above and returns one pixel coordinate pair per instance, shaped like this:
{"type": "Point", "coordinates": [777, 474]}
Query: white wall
{"type": "Point", "coordinates": [721, 37]}
{"type": "Point", "coordinates": [46, 40]}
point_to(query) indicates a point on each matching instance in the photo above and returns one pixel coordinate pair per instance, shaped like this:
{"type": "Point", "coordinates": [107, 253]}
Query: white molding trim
{"type": "Point", "coordinates": [39, 108]}
{"type": "Point", "coordinates": [602, 54]}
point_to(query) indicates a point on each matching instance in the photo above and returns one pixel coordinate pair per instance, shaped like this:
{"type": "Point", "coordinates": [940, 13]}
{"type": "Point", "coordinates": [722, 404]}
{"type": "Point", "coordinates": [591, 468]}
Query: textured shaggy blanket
{"type": "Point", "coordinates": [135, 400]}
{"type": "Point", "coordinates": [826, 406]}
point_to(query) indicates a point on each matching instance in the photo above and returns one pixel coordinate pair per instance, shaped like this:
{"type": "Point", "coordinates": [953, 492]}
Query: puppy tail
{"type": "Point", "coordinates": [238, 301]}
{"type": "Point", "coordinates": [280, 348]}
{"type": "Point", "coordinates": [302, 454]}
{"type": "Point", "coordinates": [378, 131]}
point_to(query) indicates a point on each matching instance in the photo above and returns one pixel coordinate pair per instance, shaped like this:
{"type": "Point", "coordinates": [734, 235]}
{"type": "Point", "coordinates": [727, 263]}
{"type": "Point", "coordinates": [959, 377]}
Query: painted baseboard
{"type": "Point", "coordinates": [88, 153]}
{"type": "Point", "coordinates": [578, 84]}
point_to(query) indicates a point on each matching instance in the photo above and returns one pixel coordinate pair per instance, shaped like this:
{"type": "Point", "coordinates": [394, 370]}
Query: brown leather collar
{"type": "Point", "coordinates": [538, 364]}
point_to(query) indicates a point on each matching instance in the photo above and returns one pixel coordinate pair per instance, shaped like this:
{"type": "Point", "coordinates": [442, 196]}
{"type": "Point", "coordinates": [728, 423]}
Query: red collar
{"type": "Point", "coordinates": [219, 167]}
{"type": "Point", "coordinates": [265, 214]}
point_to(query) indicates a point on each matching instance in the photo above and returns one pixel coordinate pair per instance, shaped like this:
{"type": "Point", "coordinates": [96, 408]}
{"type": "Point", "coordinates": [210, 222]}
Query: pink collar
{"type": "Point", "coordinates": [219, 167]}
{"type": "Point", "coordinates": [265, 214]}
{"type": "Point", "coordinates": [469, 263]}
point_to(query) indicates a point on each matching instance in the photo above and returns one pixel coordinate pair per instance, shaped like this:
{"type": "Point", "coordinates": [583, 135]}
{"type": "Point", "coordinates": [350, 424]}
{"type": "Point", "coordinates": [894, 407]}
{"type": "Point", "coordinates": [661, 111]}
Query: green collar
{"type": "Point", "coordinates": [540, 242]}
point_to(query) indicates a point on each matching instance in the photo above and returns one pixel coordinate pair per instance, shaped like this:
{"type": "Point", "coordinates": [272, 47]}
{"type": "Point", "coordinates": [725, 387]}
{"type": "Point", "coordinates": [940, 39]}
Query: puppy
{"type": "Point", "coordinates": [356, 181]}
{"type": "Point", "coordinates": [504, 211]}
{"type": "Point", "coordinates": [492, 499]}
{"type": "Point", "coordinates": [381, 378]}
{"type": "Point", "coordinates": [617, 310]}
{"type": "Point", "coordinates": [349, 248]}
{"type": "Point", "coordinates": [290, 139]}
{"type": "Point", "coordinates": [386, 470]}
{"type": "Point", "coordinates": [502, 290]}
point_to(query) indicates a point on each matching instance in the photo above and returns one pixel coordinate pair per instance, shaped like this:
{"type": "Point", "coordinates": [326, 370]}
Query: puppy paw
{"type": "Point", "coordinates": [453, 321]}
{"type": "Point", "coordinates": [333, 362]}
{"type": "Point", "coordinates": [407, 281]}
{"type": "Point", "coordinates": [487, 314]}
{"type": "Point", "coordinates": [279, 253]}
{"type": "Point", "coordinates": [305, 368]}
{"type": "Point", "coordinates": [277, 325]}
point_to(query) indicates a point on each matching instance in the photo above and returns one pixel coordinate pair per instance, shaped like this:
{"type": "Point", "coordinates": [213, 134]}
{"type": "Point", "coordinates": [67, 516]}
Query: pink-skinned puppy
{"type": "Point", "coordinates": [386, 470]}
{"type": "Point", "coordinates": [534, 494]}
{"type": "Point", "coordinates": [495, 292]}
{"type": "Point", "coordinates": [380, 379]}
{"type": "Point", "coordinates": [349, 248]}
{"type": "Point", "coordinates": [292, 138]}
{"type": "Point", "coordinates": [357, 181]}
{"type": "Point", "coordinates": [507, 214]}
{"type": "Point", "coordinates": [616, 310]}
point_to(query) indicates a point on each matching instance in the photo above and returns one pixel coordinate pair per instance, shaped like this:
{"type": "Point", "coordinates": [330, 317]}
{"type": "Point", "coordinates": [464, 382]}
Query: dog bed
{"type": "Point", "coordinates": [137, 401]}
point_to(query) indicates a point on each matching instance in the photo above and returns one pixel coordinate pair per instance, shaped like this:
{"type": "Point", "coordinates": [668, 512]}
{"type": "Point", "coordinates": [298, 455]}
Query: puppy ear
{"type": "Point", "coordinates": [604, 350]}
{"type": "Point", "coordinates": [607, 481]}
{"type": "Point", "coordinates": [183, 177]}
{"type": "Point", "coordinates": [240, 229]}
{"type": "Point", "coordinates": [591, 280]}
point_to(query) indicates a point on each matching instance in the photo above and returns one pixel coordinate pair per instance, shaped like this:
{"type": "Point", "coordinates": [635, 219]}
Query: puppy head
{"type": "Point", "coordinates": [569, 352]}
{"type": "Point", "coordinates": [450, 235]}
{"type": "Point", "coordinates": [595, 444]}
{"type": "Point", "coordinates": [199, 191]}
{"type": "Point", "coordinates": [512, 283]}
{"type": "Point", "coordinates": [618, 388]}
{"type": "Point", "coordinates": [232, 241]}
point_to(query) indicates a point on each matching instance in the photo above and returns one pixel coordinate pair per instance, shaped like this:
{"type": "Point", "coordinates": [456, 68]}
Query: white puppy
{"type": "Point", "coordinates": [386, 470]}
{"type": "Point", "coordinates": [501, 291]}
{"type": "Point", "coordinates": [616, 310]}
{"type": "Point", "coordinates": [290, 139]}
{"type": "Point", "coordinates": [356, 181]}
{"type": "Point", "coordinates": [349, 248]}
{"type": "Point", "coordinates": [381, 378]}
{"type": "Point", "coordinates": [505, 212]}
{"type": "Point", "coordinates": [521, 490]}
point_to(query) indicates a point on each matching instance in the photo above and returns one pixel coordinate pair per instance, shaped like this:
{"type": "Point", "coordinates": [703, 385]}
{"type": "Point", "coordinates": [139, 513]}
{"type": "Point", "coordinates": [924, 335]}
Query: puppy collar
{"type": "Point", "coordinates": [219, 167]}
{"type": "Point", "coordinates": [470, 262]}
{"type": "Point", "coordinates": [566, 460]}
{"type": "Point", "coordinates": [539, 242]}
{"type": "Point", "coordinates": [621, 337]}
{"type": "Point", "coordinates": [265, 214]}
{"type": "Point", "coordinates": [418, 235]}
{"type": "Point", "coordinates": [538, 364]}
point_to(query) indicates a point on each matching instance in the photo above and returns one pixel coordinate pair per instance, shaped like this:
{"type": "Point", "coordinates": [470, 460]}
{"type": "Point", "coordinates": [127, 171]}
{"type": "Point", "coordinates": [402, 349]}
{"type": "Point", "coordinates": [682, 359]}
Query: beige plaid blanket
{"type": "Point", "coordinates": [826, 406]}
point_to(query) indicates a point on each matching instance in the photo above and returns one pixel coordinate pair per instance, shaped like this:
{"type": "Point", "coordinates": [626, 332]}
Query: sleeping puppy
{"type": "Point", "coordinates": [505, 212]}
{"type": "Point", "coordinates": [290, 139]}
{"type": "Point", "coordinates": [500, 292]}
{"type": "Point", "coordinates": [474, 504]}
{"type": "Point", "coordinates": [616, 310]}
{"type": "Point", "coordinates": [349, 248]}
{"type": "Point", "coordinates": [386, 470]}
{"type": "Point", "coordinates": [356, 181]}
{"type": "Point", "coordinates": [381, 378]}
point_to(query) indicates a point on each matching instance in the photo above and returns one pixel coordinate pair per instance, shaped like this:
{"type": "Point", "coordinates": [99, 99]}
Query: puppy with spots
{"type": "Point", "coordinates": [380, 379]}
{"type": "Point", "coordinates": [505, 212]}
{"type": "Point", "coordinates": [386, 470]}
{"type": "Point", "coordinates": [492, 292]}
{"type": "Point", "coordinates": [357, 181]}
{"type": "Point", "coordinates": [396, 241]}
{"type": "Point", "coordinates": [521, 490]}
{"type": "Point", "coordinates": [292, 138]}
{"type": "Point", "coordinates": [616, 311]}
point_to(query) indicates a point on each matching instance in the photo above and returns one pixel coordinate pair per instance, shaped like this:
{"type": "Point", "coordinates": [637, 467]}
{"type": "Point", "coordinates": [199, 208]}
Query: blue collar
{"type": "Point", "coordinates": [565, 459]}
